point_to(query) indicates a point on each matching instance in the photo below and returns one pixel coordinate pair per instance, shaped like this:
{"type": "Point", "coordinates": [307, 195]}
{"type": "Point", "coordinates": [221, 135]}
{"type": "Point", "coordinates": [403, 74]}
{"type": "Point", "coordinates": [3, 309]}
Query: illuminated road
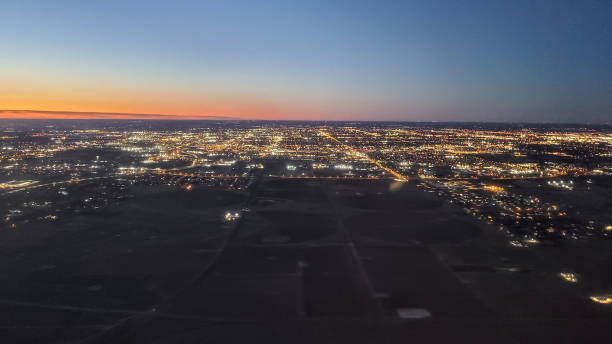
{"type": "Point", "coordinates": [60, 182]}
{"type": "Point", "coordinates": [375, 162]}
{"type": "Point", "coordinates": [229, 176]}
{"type": "Point", "coordinates": [173, 172]}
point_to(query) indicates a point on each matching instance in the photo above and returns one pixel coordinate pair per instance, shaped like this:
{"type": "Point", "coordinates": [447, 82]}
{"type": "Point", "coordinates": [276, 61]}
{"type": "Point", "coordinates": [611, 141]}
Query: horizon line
{"type": "Point", "coordinates": [100, 115]}
{"type": "Point", "coordinates": [54, 114]}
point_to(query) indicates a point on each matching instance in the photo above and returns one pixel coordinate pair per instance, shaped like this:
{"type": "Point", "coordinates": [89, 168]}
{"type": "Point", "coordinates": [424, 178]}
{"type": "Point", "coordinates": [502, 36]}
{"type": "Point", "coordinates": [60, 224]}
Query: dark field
{"type": "Point", "coordinates": [308, 261]}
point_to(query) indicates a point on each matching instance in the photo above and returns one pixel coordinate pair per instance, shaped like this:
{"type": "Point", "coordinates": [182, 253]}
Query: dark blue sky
{"type": "Point", "coordinates": [398, 60]}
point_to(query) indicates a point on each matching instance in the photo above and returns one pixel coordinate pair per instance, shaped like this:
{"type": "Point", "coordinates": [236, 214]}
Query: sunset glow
{"type": "Point", "coordinates": [307, 61]}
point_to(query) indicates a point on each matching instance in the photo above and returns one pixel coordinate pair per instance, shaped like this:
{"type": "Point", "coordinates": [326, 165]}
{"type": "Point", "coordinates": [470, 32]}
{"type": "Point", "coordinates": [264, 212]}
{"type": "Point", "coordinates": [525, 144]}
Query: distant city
{"type": "Point", "coordinates": [132, 231]}
{"type": "Point", "coordinates": [537, 184]}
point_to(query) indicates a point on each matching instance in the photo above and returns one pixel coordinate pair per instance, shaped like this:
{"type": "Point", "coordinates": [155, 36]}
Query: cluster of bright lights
{"type": "Point", "coordinates": [561, 184]}
{"type": "Point", "coordinates": [569, 276]}
{"type": "Point", "coordinates": [604, 299]}
{"type": "Point", "coordinates": [231, 216]}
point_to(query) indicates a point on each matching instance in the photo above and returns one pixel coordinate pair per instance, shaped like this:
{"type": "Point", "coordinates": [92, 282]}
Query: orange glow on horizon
{"type": "Point", "coordinates": [36, 114]}
{"type": "Point", "coordinates": [51, 97]}
{"type": "Point", "coordinates": [251, 114]}
{"type": "Point", "coordinates": [263, 114]}
{"type": "Point", "coordinates": [60, 102]}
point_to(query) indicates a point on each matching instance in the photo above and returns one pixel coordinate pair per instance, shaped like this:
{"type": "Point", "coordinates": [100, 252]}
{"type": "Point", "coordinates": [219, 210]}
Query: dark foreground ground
{"type": "Point", "coordinates": [309, 261]}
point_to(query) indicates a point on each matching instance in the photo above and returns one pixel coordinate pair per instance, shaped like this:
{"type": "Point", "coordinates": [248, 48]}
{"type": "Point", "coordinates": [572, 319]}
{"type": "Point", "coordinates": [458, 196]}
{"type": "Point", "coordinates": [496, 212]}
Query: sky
{"type": "Point", "coordinates": [498, 61]}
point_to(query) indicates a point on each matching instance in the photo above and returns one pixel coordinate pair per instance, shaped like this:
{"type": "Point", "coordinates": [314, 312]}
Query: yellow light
{"type": "Point", "coordinates": [569, 276]}
{"type": "Point", "coordinates": [493, 188]}
{"type": "Point", "coordinates": [189, 187]}
{"type": "Point", "coordinates": [531, 241]}
{"type": "Point", "coordinates": [605, 299]}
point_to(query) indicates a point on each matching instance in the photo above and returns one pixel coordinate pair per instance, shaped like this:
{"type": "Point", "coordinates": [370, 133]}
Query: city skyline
{"type": "Point", "coordinates": [477, 61]}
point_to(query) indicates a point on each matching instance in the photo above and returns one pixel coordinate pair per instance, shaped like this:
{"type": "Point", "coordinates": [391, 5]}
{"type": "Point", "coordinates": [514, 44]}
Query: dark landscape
{"type": "Point", "coordinates": [156, 257]}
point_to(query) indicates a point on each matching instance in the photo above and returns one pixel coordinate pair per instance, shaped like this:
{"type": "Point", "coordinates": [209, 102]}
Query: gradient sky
{"type": "Point", "coordinates": [332, 60]}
